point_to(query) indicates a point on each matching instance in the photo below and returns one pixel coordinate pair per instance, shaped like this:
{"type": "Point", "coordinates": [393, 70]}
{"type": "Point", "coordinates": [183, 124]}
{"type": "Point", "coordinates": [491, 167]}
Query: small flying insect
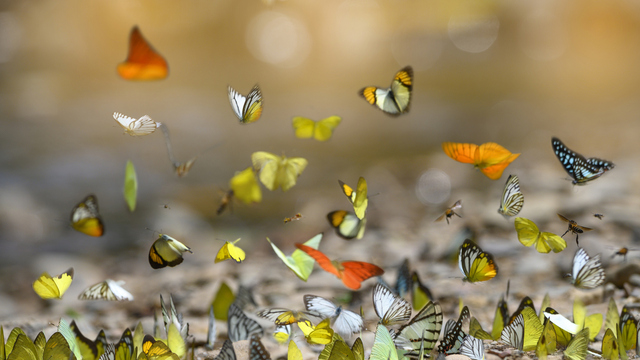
{"type": "Point", "coordinates": [451, 211]}
{"type": "Point", "coordinates": [574, 228]}
{"type": "Point", "coordinates": [297, 216]}
{"type": "Point", "coordinates": [225, 202]}
{"type": "Point", "coordinates": [622, 252]}
{"type": "Point", "coordinates": [599, 216]}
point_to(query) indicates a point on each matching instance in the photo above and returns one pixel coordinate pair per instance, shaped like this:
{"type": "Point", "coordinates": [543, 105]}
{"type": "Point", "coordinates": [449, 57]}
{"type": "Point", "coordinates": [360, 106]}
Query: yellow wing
{"type": "Point", "coordinates": [293, 353]}
{"type": "Point", "coordinates": [48, 287]}
{"type": "Point", "coordinates": [529, 234]}
{"type": "Point", "coordinates": [304, 127]}
{"type": "Point", "coordinates": [85, 217]}
{"type": "Point", "coordinates": [244, 185]}
{"type": "Point", "coordinates": [166, 251]}
{"type": "Point", "coordinates": [276, 171]}
{"type": "Point", "coordinates": [324, 128]}
{"type": "Point", "coordinates": [230, 251]}
{"type": "Point", "coordinates": [320, 334]}
{"type": "Point", "coordinates": [532, 329]}
{"type": "Point", "coordinates": [358, 197]}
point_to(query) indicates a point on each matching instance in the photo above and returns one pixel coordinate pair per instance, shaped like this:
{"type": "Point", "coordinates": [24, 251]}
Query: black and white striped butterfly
{"type": "Point", "coordinates": [587, 272]}
{"type": "Point", "coordinates": [107, 290]}
{"type": "Point", "coordinates": [513, 334]}
{"type": "Point", "coordinates": [345, 322]}
{"type": "Point", "coordinates": [424, 328]}
{"type": "Point", "coordinates": [512, 199]}
{"type": "Point", "coordinates": [257, 350]}
{"type": "Point", "coordinates": [240, 326]}
{"type": "Point", "coordinates": [390, 308]}
{"type": "Point", "coordinates": [453, 334]}
{"type": "Point", "coordinates": [473, 348]}
{"type": "Point", "coordinates": [136, 127]}
{"type": "Point", "coordinates": [581, 169]}
{"type": "Point", "coordinates": [248, 109]}
{"type": "Point", "coordinates": [227, 352]}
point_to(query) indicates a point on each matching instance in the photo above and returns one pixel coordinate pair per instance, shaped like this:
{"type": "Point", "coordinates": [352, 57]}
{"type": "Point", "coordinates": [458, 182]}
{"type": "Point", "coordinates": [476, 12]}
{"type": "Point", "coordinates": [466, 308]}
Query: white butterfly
{"type": "Point", "coordinates": [473, 348]}
{"type": "Point", "coordinates": [345, 322]}
{"type": "Point", "coordinates": [424, 328]}
{"type": "Point", "coordinates": [106, 290]}
{"type": "Point", "coordinates": [512, 199]}
{"type": "Point", "coordinates": [587, 272]}
{"type": "Point", "coordinates": [390, 308]}
{"type": "Point", "coordinates": [240, 326]}
{"type": "Point", "coordinates": [247, 109]}
{"type": "Point", "coordinates": [513, 334]}
{"type": "Point", "coordinates": [227, 352]}
{"type": "Point", "coordinates": [136, 127]}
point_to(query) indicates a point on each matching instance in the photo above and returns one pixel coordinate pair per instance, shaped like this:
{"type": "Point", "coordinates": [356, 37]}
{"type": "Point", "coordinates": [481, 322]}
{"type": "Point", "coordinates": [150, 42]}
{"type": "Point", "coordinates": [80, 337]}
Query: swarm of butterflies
{"type": "Point", "coordinates": [325, 325]}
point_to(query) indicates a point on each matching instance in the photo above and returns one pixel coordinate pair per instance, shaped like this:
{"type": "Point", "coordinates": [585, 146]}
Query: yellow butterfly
{"type": "Point", "coordinates": [475, 264]}
{"type": "Point", "coordinates": [475, 330]}
{"type": "Point", "coordinates": [130, 190]}
{"type": "Point", "coordinates": [628, 329]}
{"type": "Point", "coordinates": [282, 333]}
{"type": "Point", "coordinates": [221, 302]}
{"type": "Point", "coordinates": [320, 334]}
{"type": "Point", "coordinates": [347, 224]}
{"type": "Point", "coordinates": [230, 251]}
{"type": "Point", "coordinates": [281, 316]}
{"type": "Point", "coordinates": [85, 217]}
{"type": "Point", "coordinates": [166, 251]}
{"type": "Point", "coordinates": [90, 349]}
{"type": "Point", "coordinates": [524, 331]}
{"type": "Point", "coordinates": [593, 321]}
{"type": "Point", "coordinates": [529, 234]}
{"type": "Point", "coordinates": [358, 197]}
{"type": "Point", "coordinates": [248, 109]}
{"type": "Point", "coordinates": [48, 287]}
{"type": "Point", "coordinates": [396, 99]}
{"type": "Point", "coordinates": [276, 171]}
{"type": "Point", "coordinates": [244, 186]}
{"type": "Point", "coordinates": [293, 352]}
{"type": "Point", "coordinates": [153, 349]}
{"type": "Point", "coordinates": [577, 348]}
{"type": "Point", "coordinates": [610, 349]}
{"type": "Point", "coordinates": [320, 130]}
{"type": "Point", "coordinates": [547, 342]}
{"type": "Point", "coordinates": [562, 326]}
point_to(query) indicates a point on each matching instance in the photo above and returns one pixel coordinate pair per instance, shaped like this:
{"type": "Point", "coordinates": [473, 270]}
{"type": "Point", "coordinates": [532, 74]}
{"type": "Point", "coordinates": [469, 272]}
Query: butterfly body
{"type": "Point", "coordinates": [448, 214]}
{"type": "Point", "coordinates": [394, 100]}
{"type": "Point", "coordinates": [490, 158]}
{"type": "Point", "coordinates": [581, 169]}
{"type": "Point", "coordinates": [248, 109]}
{"type": "Point", "coordinates": [143, 62]}
{"type": "Point", "coordinates": [512, 199]}
{"type": "Point", "coordinates": [574, 228]}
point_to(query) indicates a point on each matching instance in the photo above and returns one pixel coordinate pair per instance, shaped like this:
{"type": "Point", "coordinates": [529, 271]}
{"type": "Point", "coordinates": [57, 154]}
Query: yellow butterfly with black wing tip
{"type": "Point", "coordinates": [577, 348]}
{"type": "Point", "coordinates": [475, 264]}
{"type": "Point", "coordinates": [347, 224]}
{"type": "Point", "coordinates": [544, 242]}
{"type": "Point", "coordinates": [396, 99]}
{"type": "Point", "coordinates": [278, 171]}
{"type": "Point", "coordinates": [320, 130]}
{"type": "Point", "coordinates": [230, 251]}
{"type": "Point", "coordinates": [48, 287]}
{"type": "Point", "coordinates": [85, 217]}
{"type": "Point", "coordinates": [628, 329]}
{"type": "Point", "coordinates": [89, 349]}
{"type": "Point", "coordinates": [358, 197]}
{"type": "Point", "coordinates": [248, 109]}
{"type": "Point", "coordinates": [166, 251]}
{"type": "Point", "coordinates": [281, 316]}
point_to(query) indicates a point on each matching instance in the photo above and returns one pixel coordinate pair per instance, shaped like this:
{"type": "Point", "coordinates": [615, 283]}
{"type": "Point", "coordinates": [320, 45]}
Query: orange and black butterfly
{"type": "Point", "coordinates": [490, 158]}
{"type": "Point", "coordinates": [574, 228]}
{"type": "Point", "coordinates": [352, 273]}
{"type": "Point", "coordinates": [394, 100]}
{"type": "Point", "coordinates": [143, 62]}
{"type": "Point", "coordinates": [450, 212]}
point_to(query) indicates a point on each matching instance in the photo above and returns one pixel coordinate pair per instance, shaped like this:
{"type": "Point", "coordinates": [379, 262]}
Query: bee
{"type": "Point", "coordinates": [574, 228]}
{"type": "Point", "coordinates": [451, 211]}
{"type": "Point", "coordinates": [622, 252]}
{"type": "Point", "coordinates": [599, 216]}
{"type": "Point", "coordinates": [297, 216]}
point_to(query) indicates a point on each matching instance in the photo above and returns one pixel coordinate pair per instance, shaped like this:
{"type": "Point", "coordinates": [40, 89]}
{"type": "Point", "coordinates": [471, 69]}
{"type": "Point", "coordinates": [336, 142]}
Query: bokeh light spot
{"type": "Point", "coordinates": [278, 39]}
{"type": "Point", "coordinates": [433, 187]}
{"type": "Point", "coordinates": [473, 33]}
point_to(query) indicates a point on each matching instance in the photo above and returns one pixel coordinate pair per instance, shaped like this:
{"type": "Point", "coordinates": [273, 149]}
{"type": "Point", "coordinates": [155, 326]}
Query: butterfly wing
{"type": "Point", "coordinates": [348, 323]}
{"type": "Point", "coordinates": [475, 264]}
{"type": "Point", "coordinates": [267, 164]}
{"type": "Point", "coordinates": [324, 128]}
{"type": "Point", "coordinates": [257, 350]}
{"type": "Point", "coordinates": [347, 224]}
{"type": "Point", "coordinates": [136, 127]}
{"type": "Point", "coordinates": [455, 336]}
{"type": "Point", "coordinates": [245, 186]}
{"type": "Point", "coordinates": [513, 334]}
{"type": "Point", "coordinates": [512, 199]}
{"type": "Point", "coordinates": [304, 128]}
{"type": "Point", "coordinates": [299, 262]}
{"type": "Point", "coordinates": [116, 291]}
{"type": "Point", "coordinates": [166, 251]}
{"type": "Point", "coordinates": [355, 272]}
{"type": "Point", "coordinates": [579, 168]}
{"type": "Point", "coordinates": [390, 308]}
{"type": "Point", "coordinates": [85, 217]}
{"type": "Point", "coordinates": [241, 327]}
{"type": "Point", "coordinates": [423, 328]}
{"type": "Point", "coordinates": [248, 109]}
{"type": "Point", "coordinates": [472, 348]}
{"type": "Point", "coordinates": [401, 87]}
{"type": "Point", "coordinates": [48, 287]}
{"type": "Point", "coordinates": [289, 171]}
{"type": "Point", "coordinates": [383, 346]}
{"type": "Point", "coordinates": [230, 251]}
{"type": "Point", "coordinates": [577, 348]}
{"type": "Point", "coordinates": [462, 152]}
{"type": "Point", "coordinates": [322, 260]}
{"type": "Point", "coordinates": [587, 272]}
{"type": "Point", "coordinates": [143, 62]}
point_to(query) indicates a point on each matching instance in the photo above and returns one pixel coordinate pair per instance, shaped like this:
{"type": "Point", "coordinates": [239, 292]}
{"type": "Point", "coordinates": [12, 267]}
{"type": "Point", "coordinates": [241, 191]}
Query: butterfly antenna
{"type": "Point", "coordinates": [167, 140]}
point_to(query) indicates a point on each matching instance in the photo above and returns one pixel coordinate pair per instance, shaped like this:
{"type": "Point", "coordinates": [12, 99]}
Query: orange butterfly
{"type": "Point", "coordinates": [490, 157]}
{"type": "Point", "coordinates": [352, 273]}
{"type": "Point", "coordinates": [143, 62]}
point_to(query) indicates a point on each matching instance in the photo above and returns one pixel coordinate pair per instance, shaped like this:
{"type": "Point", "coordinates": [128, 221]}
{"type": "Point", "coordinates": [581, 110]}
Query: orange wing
{"type": "Point", "coordinates": [489, 154]}
{"type": "Point", "coordinates": [464, 153]}
{"type": "Point", "coordinates": [356, 272]}
{"type": "Point", "coordinates": [494, 172]}
{"type": "Point", "coordinates": [143, 62]}
{"type": "Point", "coordinates": [322, 259]}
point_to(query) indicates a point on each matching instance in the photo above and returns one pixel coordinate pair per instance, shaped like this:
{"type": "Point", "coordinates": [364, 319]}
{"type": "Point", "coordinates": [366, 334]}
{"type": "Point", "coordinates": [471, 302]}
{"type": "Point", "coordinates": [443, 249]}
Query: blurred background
{"type": "Point", "coordinates": [512, 72]}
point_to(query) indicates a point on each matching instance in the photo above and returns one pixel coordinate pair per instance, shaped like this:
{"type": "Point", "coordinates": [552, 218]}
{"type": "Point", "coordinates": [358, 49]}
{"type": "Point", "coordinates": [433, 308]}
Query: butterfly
{"type": "Point", "coordinates": [352, 273]}
{"type": "Point", "coordinates": [136, 127]}
{"type": "Point", "coordinates": [448, 214]}
{"type": "Point", "coordinates": [282, 333]}
{"type": "Point", "coordinates": [547, 343]}
{"type": "Point", "coordinates": [472, 348]}
{"type": "Point", "coordinates": [106, 290]}
{"type": "Point", "coordinates": [299, 262]}
{"type": "Point", "coordinates": [610, 348]}
{"type": "Point", "coordinates": [155, 349]}
{"type": "Point", "coordinates": [390, 308]}
{"type": "Point", "coordinates": [221, 302]}
{"type": "Point", "coordinates": [230, 251]}
{"type": "Point", "coordinates": [563, 327]}
{"type": "Point", "coordinates": [396, 99]}
{"type": "Point", "coordinates": [122, 350]}
{"type": "Point", "coordinates": [85, 217]}
{"type": "Point", "coordinates": [475, 264]}
{"type": "Point", "coordinates": [130, 189]}
{"type": "Point", "coordinates": [227, 352]}
{"type": "Point", "coordinates": [48, 287]}
{"type": "Point", "coordinates": [338, 349]}
{"type": "Point", "coordinates": [531, 324]}
{"type": "Point", "coordinates": [403, 280]}
{"type": "Point", "coordinates": [89, 349]}
{"type": "Point", "coordinates": [320, 130]}
{"type": "Point", "coordinates": [420, 294]}
{"type": "Point", "coordinates": [248, 109]}
{"type": "Point", "coordinates": [358, 197]}
{"type": "Point", "coordinates": [166, 251]}
{"type": "Point", "coordinates": [321, 334]}
{"type": "Point", "coordinates": [244, 185]}
{"type": "Point", "coordinates": [581, 169]}
{"type": "Point", "coordinates": [22, 348]}
{"type": "Point", "coordinates": [293, 352]}
{"type": "Point", "coordinates": [513, 334]}
{"type": "Point", "coordinates": [423, 329]}
{"type": "Point", "coordinates": [176, 329]}
{"type": "Point", "coordinates": [257, 351]}
{"type": "Point", "coordinates": [297, 216]}
{"type": "Point", "coordinates": [143, 62]}
{"type": "Point", "coordinates": [281, 316]}
{"type": "Point", "coordinates": [577, 348]}
{"type": "Point", "coordinates": [490, 157]}
{"type": "Point", "coordinates": [240, 326]}
{"type": "Point", "coordinates": [628, 329]}
{"type": "Point", "coordinates": [276, 171]}
{"type": "Point", "coordinates": [512, 199]}
{"type": "Point", "coordinates": [347, 224]}
{"type": "Point", "coordinates": [525, 303]}
{"type": "Point", "coordinates": [544, 242]}
{"type": "Point", "coordinates": [383, 346]}
{"type": "Point", "coordinates": [454, 335]}
{"type": "Point", "coordinates": [593, 321]}
{"type": "Point", "coordinates": [345, 322]}
{"type": "Point", "coordinates": [587, 272]}
{"type": "Point", "coordinates": [574, 228]}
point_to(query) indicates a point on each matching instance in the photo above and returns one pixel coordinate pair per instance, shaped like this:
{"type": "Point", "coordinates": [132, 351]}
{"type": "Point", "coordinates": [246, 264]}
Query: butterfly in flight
{"type": "Point", "coordinates": [248, 109]}
{"type": "Point", "coordinates": [448, 214]}
{"type": "Point", "coordinates": [587, 272]}
{"type": "Point", "coordinates": [278, 171]}
{"type": "Point", "coordinates": [106, 290]}
{"type": "Point", "coordinates": [347, 224]}
{"type": "Point", "coordinates": [358, 198]}
{"type": "Point", "coordinates": [581, 169]}
{"type": "Point", "coordinates": [230, 251]}
{"type": "Point", "coordinates": [320, 130]}
{"type": "Point", "coordinates": [390, 308]}
{"type": "Point", "coordinates": [475, 264]}
{"type": "Point", "coordinates": [490, 158]}
{"type": "Point", "coordinates": [48, 287]}
{"type": "Point", "coordinates": [574, 228]}
{"type": "Point", "coordinates": [394, 100]}
{"type": "Point", "coordinates": [166, 251]}
{"type": "Point", "coordinates": [85, 217]}
{"type": "Point", "coordinates": [512, 199]}
{"type": "Point", "coordinates": [136, 127]}
{"type": "Point", "coordinates": [352, 273]}
{"type": "Point", "coordinates": [529, 234]}
{"type": "Point", "coordinates": [143, 62]}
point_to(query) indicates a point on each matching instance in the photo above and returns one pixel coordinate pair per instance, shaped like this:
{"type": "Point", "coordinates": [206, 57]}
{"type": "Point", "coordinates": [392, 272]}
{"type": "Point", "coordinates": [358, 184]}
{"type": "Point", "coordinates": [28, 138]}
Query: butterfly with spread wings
{"type": "Point", "coordinates": [136, 127]}
{"type": "Point", "coordinates": [475, 264]}
{"type": "Point", "coordinates": [581, 169]}
{"type": "Point", "coordinates": [490, 158]}
{"type": "Point", "coordinates": [345, 322]}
